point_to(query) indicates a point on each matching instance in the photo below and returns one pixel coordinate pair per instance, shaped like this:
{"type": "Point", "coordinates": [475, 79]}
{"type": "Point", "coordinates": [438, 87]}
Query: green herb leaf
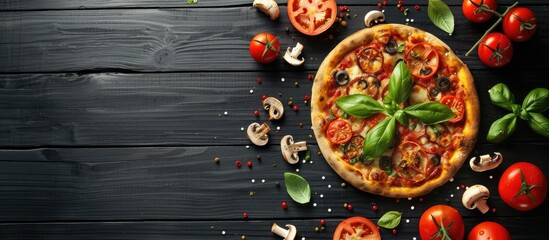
{"type": "Point", "coordinates": [379, 138]}
{"type": "Point", "coordinates": [390, 219]}
{"type": "Point", "coordinates": [539, 123]}
{"type": "Point", "coordinates": [359, 105]}
{"type": "Point", "coordinates": [537, 100]}
{"type": "Point", "coordinates": [402, 118]}
{"type": "Point", "coordinates": [501, 96]}
{"type": "Point", "coordinates": [400, 84]}
{"type": "Point", "coordinates": [430, 112]}
{"type": "Point", "coordinates": [441, 15]}
{"type": "Point", "coordinates": [502, 128]}
{"type": "Point", "coordinates": [401, 47]}
{"type": "Point", "coordinates": [297, 187]}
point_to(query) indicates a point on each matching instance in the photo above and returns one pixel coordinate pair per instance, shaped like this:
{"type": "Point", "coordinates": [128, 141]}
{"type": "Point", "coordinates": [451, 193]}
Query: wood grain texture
{"type": "Point", "coordinates": [170, 40]}
{"type": "Point", "coordinates": [183, 108]}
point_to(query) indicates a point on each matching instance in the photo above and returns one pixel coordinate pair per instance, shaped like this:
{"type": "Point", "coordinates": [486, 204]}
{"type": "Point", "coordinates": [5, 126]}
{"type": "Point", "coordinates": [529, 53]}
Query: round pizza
{"type": "Point", "coordinates": [394, 111]}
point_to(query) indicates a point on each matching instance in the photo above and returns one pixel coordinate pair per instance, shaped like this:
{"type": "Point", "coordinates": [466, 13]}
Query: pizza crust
{"type": "Point", "coordinates": [358, 177]}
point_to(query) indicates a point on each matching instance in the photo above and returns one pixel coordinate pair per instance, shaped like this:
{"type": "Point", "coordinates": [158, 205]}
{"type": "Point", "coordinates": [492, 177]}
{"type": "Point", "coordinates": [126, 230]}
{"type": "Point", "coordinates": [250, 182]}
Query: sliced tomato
{"type": "Point", "coordinates": [366, 84]}
{"type": "Point", "coordinates": [410, 161]}
{"type": "Point", "coordinates": [457, 105]}
{"type": "Point", "coordinates": [356, 228]}
{"type": "Point", "coordinates": [370, 59]}
{"type": "Point", "coordinates": [339, 131]}
{"type": "Point", "coordinates": [312, 17]}
{"type": "Point", "coordinates": [422, 60]}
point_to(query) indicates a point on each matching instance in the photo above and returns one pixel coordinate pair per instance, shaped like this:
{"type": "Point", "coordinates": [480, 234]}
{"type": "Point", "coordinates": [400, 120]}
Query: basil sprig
{"type": "Point", "coordinates": [380, 137]}
{"type": "Point", "coordinates": [534, 104]}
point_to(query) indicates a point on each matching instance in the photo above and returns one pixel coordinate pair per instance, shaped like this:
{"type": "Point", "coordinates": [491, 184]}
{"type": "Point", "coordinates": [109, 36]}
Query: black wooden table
{"type": "Point", "coordinates": [113, 114]}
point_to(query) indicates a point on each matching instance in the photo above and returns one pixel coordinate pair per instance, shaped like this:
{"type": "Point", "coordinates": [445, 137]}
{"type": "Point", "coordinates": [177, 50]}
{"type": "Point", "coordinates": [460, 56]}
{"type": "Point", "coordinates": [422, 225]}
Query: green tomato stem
{"type": "Point", "coordinates": [491, 28]}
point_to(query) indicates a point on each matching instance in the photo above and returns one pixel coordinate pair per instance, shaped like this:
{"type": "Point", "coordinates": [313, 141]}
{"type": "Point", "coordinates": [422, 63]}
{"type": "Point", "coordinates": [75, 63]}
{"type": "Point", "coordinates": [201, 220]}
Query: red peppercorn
{"type": "Point", "coordinates": [349, 207]}
{"type": "Point", "coordinates": [384, 2]}
{"type": "Point", "coordinates": [397, 200]}
{"type": "Point", "coordinates": [379, 5]}
{"type": "Point", "coordinates": [394, 231]}
{"type": "Point", "coordinates": [493, 210]}
{"type": "Point", "coordinates": [238, 163]}
{"type": "Point", "coordinates": [420, 199]}
{"type": "Point", "coordinates": [295, 108]}
{"type": "Point", "coordinates": [374, 207]}
{"type": "Point", "coordinates": [245, 215]}
{"type": "Point", "coordinates": [322, 222]}
{"type": "Point", "coordinates": [400, 2]}
{"type": "Point", "coordinates": [306, 98]}
{"type": "Point", "coordinates": [301, 125]}
{"type": "Point", "coordinates": [263, 98]}
{"type": "Point", "coordinates": [249, 163]}
{"type": "Point", "coordinates": [342, 15]}
{"type": "Point", "coordinates": [284, 205]}
{"type": "Point", "coordinates": [259, 80]}
{"type": "Point", "coordinates": [462, 186]}
{"type": "Point", "coordinates": [416, 7]}
{"type": "Point", "coordinates": [256, 113]}
{"type": "Point", "coordinates": [402, 9]}
{"type": "Point", "coordinates": [310, 76]}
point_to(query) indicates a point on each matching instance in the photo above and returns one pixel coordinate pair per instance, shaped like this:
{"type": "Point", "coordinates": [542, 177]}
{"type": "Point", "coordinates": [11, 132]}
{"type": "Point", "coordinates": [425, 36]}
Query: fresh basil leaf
{"type": "Point", "coordinates": [390, 219]}
{"type": "Point", "coordinates": [401, 47]}
{"type": "Point", "coordinates": [539, 123]}
{"type": "Point", "coordinates": [402, 118]}
{"type": "Point", "coordinates": [501, 96]}
{"type": "Point", "coordinates": [502, 128]}
{"type": "Point", "coordinates": [430, 112]}
{"type": "Point", "coordinates": [400, 84]}
{"type": "Point", "coordinates": [379, 138]}
{"type": "Point", "coordinates": [297, 187]}
{"type": "Point", "coordinates": [537, 100]}
{"type": "Point", "coordinates": [359, 105]}
{"type": "Point", "coordinates": [441, 15]}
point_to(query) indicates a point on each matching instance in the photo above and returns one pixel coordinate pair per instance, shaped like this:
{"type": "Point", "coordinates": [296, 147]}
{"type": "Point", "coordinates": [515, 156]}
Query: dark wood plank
{"type": "Point", "coordinates": [233, 229]}
{"type": "Point", "coordinates": [183, 109]}
{"type": "Point", "coordinates": [172, 183]}
{"type": "Point", "coordinates": [197, 39]}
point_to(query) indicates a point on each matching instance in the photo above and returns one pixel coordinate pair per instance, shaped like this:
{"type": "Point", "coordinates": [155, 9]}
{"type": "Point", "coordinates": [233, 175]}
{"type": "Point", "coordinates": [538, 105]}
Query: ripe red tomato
{"type": "Point", "coordinates": [495, 50]}
{"type": "Point", "coordinates": [441, 222]}
{"type": "Point", "coordinates": [478, 10]}
{"type": "Point", "coordinates": [457, 105]}
{"type": "Point", "coordinates": [339, 131]}
{"type": "Point", "coordinates": [520, 24]}
{"type": "Point", "coordinates": [312, 17]}
{"type": "Point", "coordinates": [264, 47]}
{"type": "Point", "coordinates": [422, 60]}
{"type": "Point", "coordinates": [489, 231]}
{"type": "Point", "coordinates": [523, 186]}
{"type": "Point", "coordinates": [356, 228]}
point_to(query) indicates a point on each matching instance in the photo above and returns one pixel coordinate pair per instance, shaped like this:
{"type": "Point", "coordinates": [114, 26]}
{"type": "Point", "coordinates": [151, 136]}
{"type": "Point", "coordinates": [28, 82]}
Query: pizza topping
{"type": "Point", "coordinates": [341, 77]}
{"type": "Point", "coordinates": [475, 197]}
{"type": "Point", "coordinates": [275, 108]}
{"type": "Point", "coordinates": [391, 47]}
{"type": "Point", "coordinates": [385, 163]}
{"type": "Point", "coordinates": [258, 133]}
{"type": "Point", "coordinates": [367, 84]}
{"type": "Point", "coordinates": [423, 61]}
{"type": "Point", "coordinates": [486, 162]}
{"type": "Point", "coordinates": [370, 59]}
{"type": "Point", "coordinates": [287, 234]}
{"type": "Point", "coordinates": [443, 84]}
{"type": "Point", "coordinates": [339, 131]}
{"type": "Point", "coordinates": [457, 105]}
{"type": "Point", "coordinates": [289, 149]}
{"type": "Point", "coordinates": [439, 133]}
{"type": "Point", "coordinates": [435, 159]}
{"type": "Point", "coordinates": [419, 94]}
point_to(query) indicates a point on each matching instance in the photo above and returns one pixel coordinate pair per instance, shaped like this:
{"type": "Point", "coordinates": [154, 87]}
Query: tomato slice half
{"type": "Point", "coordinates": [423, 61]}
{"type": "Point", "coordinates": [370, 59]}
{"type": "Point", "coordinates": [312, 17]}
{"type": "Point", "coordinates": [457, 105]}
{"type": "Point", "coordinates": [356, 228]}
{"type": "Point", "coordinates": [339, 131]}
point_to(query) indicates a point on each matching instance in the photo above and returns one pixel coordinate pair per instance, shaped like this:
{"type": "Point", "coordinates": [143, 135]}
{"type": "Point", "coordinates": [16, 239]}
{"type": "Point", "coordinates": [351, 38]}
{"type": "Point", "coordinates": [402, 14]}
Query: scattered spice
{"type": "Point", "coordinates": [245, 215]}
{"type": "Point", "coordinates": [284, 205]}
{"type": "Point", "coordinates": [249, 163]}
{"type": "Point", "coordinates": [301, 125]}
{"type": "Point", "coordinates": [322, 222]}
{"type": "Point", "coordinates": [263, 98]}
{"type": "Point", "coordinates": [295, 108]}
{"type": "Point", "coordinates": [379, 5]}
{"type": "Point", "coordinates": [256, 113]}
{"type": "Point", "coordinates": [374, 207]}
{"type": "Point", "coordinates": [192, 1]}
{"type": "Point", "coordinates": [217, 160]}
{"type": "Point", "coordinates": [417, 7]}
{"type": "Point", "coordinates": [237, 163]}
{"type": "Point", "coordinates": [310, 76]}
{"type": "Point", "coordinates": [343, 184]}
{"type": "Point", "coordinates": [259, 80]}
{"type": "Point", "coordinates": [394, 231]}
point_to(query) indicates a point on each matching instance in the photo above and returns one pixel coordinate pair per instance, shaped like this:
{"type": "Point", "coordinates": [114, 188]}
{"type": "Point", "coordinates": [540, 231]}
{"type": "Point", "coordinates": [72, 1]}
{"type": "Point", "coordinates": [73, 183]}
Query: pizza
{"type": "Point", "coordinates": [394, 111]}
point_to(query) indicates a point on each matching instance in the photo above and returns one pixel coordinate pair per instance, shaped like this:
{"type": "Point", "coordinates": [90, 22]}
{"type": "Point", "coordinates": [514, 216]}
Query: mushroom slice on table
{"type": "Point", "coordinates": [258, 133]}
{"type": "Point", "coordinates": [290, 149]}
{"type": "Point", "coordinates": [486, 162]}
{"type": "Point", "coordinates": [292, 57]}
{"type": "Point", "coordinates": [475, 197]}
{"type": "Point", "coordinates": [287, 234]}
{"type": "Point", "coordinates": [269, 7]}
{"type": "Point", "coordinates": [373, 17]}
{"type": "Point", "coordinates": [275, 108]}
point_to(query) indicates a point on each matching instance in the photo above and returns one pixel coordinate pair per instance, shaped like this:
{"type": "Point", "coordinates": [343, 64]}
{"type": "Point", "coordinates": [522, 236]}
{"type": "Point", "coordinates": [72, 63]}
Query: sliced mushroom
{"type": "Point", "coordinates": [290, 149]}
{"type": "Point", "coordinates": [269, 7]}
{"type": "Point", "coordinates": [486, 162]}
{"type": "Point", "coordinates": [293, 57]}
{"type": "Point", "coordinates": [373, 17]}
{"type": "Point", "coordinates": [258, 133]}
{"type": "Point", "coordinates": [287, 234]}
{"type": "Point", "coordinates": [475, 197]}
{"type": "Point", "coordinates": [275, 108]}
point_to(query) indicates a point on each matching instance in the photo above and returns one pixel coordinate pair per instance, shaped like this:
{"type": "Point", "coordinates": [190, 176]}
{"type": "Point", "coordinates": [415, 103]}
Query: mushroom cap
{"type": "Point", "coordinates": [474, 193]}
{"type": "Point", "coordinates": [372, 16]}
{"type": "Point", "coordinates": [486, 162]}
{"type": "Point", "coordinates": [275, 108]}
{"type": "Point", "coordinates": [258, 134]}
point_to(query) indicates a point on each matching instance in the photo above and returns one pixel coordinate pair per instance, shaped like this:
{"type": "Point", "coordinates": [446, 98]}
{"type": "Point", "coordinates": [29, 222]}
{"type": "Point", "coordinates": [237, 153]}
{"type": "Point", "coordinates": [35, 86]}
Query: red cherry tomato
{"type": "Point", "coordinates": [339, 131]}
{"type": "Point", "coordinates": [356, 228]}
{"type": "Point", "coordinates": [264, 47]}
{"type": "Point", "coordinates": [422, 60]}
{"type": "Point", "coordinates": [489, 231]}
{"type": "Point", "coordinates": [457, 105]}
{"type": "Point", "coordinates": [441, 222]}
{"type": "Point", "coordinates": [312, 17]}
{"type": "Point", "coordinates": [478, 10]}
{"type": "Point", "coordinates": [523, 186]}
{"type": "Point", "coordinates": [495, 50]}
{"type": "Point", "coordinates": [520, 24]}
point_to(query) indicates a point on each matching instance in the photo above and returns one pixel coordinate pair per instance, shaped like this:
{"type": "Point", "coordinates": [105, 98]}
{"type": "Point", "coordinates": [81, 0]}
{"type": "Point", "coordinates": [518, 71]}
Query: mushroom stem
{"type": "Point", "coordinates": [279, 231]}
{"type": "Point", "coordinates": [482, 206]}
{"type": "Point", "coordinates": [299, 146]}
{"type": "Point", "coordinates": [262, 130]}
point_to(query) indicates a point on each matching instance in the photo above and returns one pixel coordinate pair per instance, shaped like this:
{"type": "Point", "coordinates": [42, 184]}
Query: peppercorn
{"type": "Point", "coordinates": [295, 108]}
{"type": "Point", "coordinates": [416, 7]}
{"type": "Point", "coordinates": [310, 76]}
{"type": "Point", "coordinates": [284, 205]}
{"type": "Point", "coordinates": [256, 113]}
{"type": "Point", "coordinates": [238, 163]}
{"type": "Point", "coordinates": [249, 163]}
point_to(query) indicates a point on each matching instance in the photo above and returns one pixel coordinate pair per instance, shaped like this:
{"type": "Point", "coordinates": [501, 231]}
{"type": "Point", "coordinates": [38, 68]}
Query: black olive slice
{"type": "Point", "coordinates": [391, 47]}
{"type": "Point", "coordinates": [342, 77]}
{"type": "Point", "coordinates": [443, 84]}
{"type": "Point", "coordinates": [434, 92]}
{"type": "Point", "coordinates": [363, 83]}
{"type": "Point", "coordinates": [385, 163]}
{"type": "Point", "coordinates": [435, 159]}
{"type": "Point", "coordinates": [426, 71]}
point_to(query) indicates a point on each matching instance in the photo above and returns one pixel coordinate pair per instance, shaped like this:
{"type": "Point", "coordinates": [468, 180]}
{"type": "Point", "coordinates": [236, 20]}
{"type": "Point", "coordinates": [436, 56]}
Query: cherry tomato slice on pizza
{"type": "Point", "coordinates": [457, 105]}
{"type": "Point", "coordinates": [423, 61]}
{"type": "Point", "coordinates": [356, 228]}
{"type": "Point", "coordinates": [312, 17]}
{"type": "Point", "coordinates": [370, 59]}
{"type": "Point", "coordinates": [339, 131]}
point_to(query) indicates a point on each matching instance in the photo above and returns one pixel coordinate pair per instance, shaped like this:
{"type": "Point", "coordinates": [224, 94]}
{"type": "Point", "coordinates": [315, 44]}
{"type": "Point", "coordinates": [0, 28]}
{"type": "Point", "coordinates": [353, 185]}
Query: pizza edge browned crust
{"type": "Point", "coordinates": [354, 176]}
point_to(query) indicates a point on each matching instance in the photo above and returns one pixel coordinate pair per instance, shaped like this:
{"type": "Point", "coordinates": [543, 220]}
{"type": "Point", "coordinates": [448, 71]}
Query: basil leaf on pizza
{"type": "Point", "coordinates": [359, 105]}
{"type": "Point", "coordinates": [430, 112]}
{"type": "Point", "coordinates": [379, 138]}
{"type": "Point", "coordinates": [400, 84]}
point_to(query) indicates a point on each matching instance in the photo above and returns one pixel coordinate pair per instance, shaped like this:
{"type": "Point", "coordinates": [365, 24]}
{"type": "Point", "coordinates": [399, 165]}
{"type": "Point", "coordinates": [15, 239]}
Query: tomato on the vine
{"type": "Point", "coordinates": [457, 105]}
{"type": "Point", "coordinates": [489, 231]}
{"type": "Point", "coordinates": [312, 17]}
{"type": "Point", "coordinates": [339, 131]}
{"type": "Point", "coordinates": [264, 47]}
{"type": "Point", "coordinates": [479, 10]}
{"type": "Point", "coordinates": [356, 228]}
{"type": "Point", "coordinates": [523, 186]}
{"type": "Point", "coordinates": [520, 24]}
{"type": "Point", "coordinates": [422, 60]}
{"type": "Point", "coordinates": [441, 222]}
{"type": "Point", "coordinates": [495, 50]}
